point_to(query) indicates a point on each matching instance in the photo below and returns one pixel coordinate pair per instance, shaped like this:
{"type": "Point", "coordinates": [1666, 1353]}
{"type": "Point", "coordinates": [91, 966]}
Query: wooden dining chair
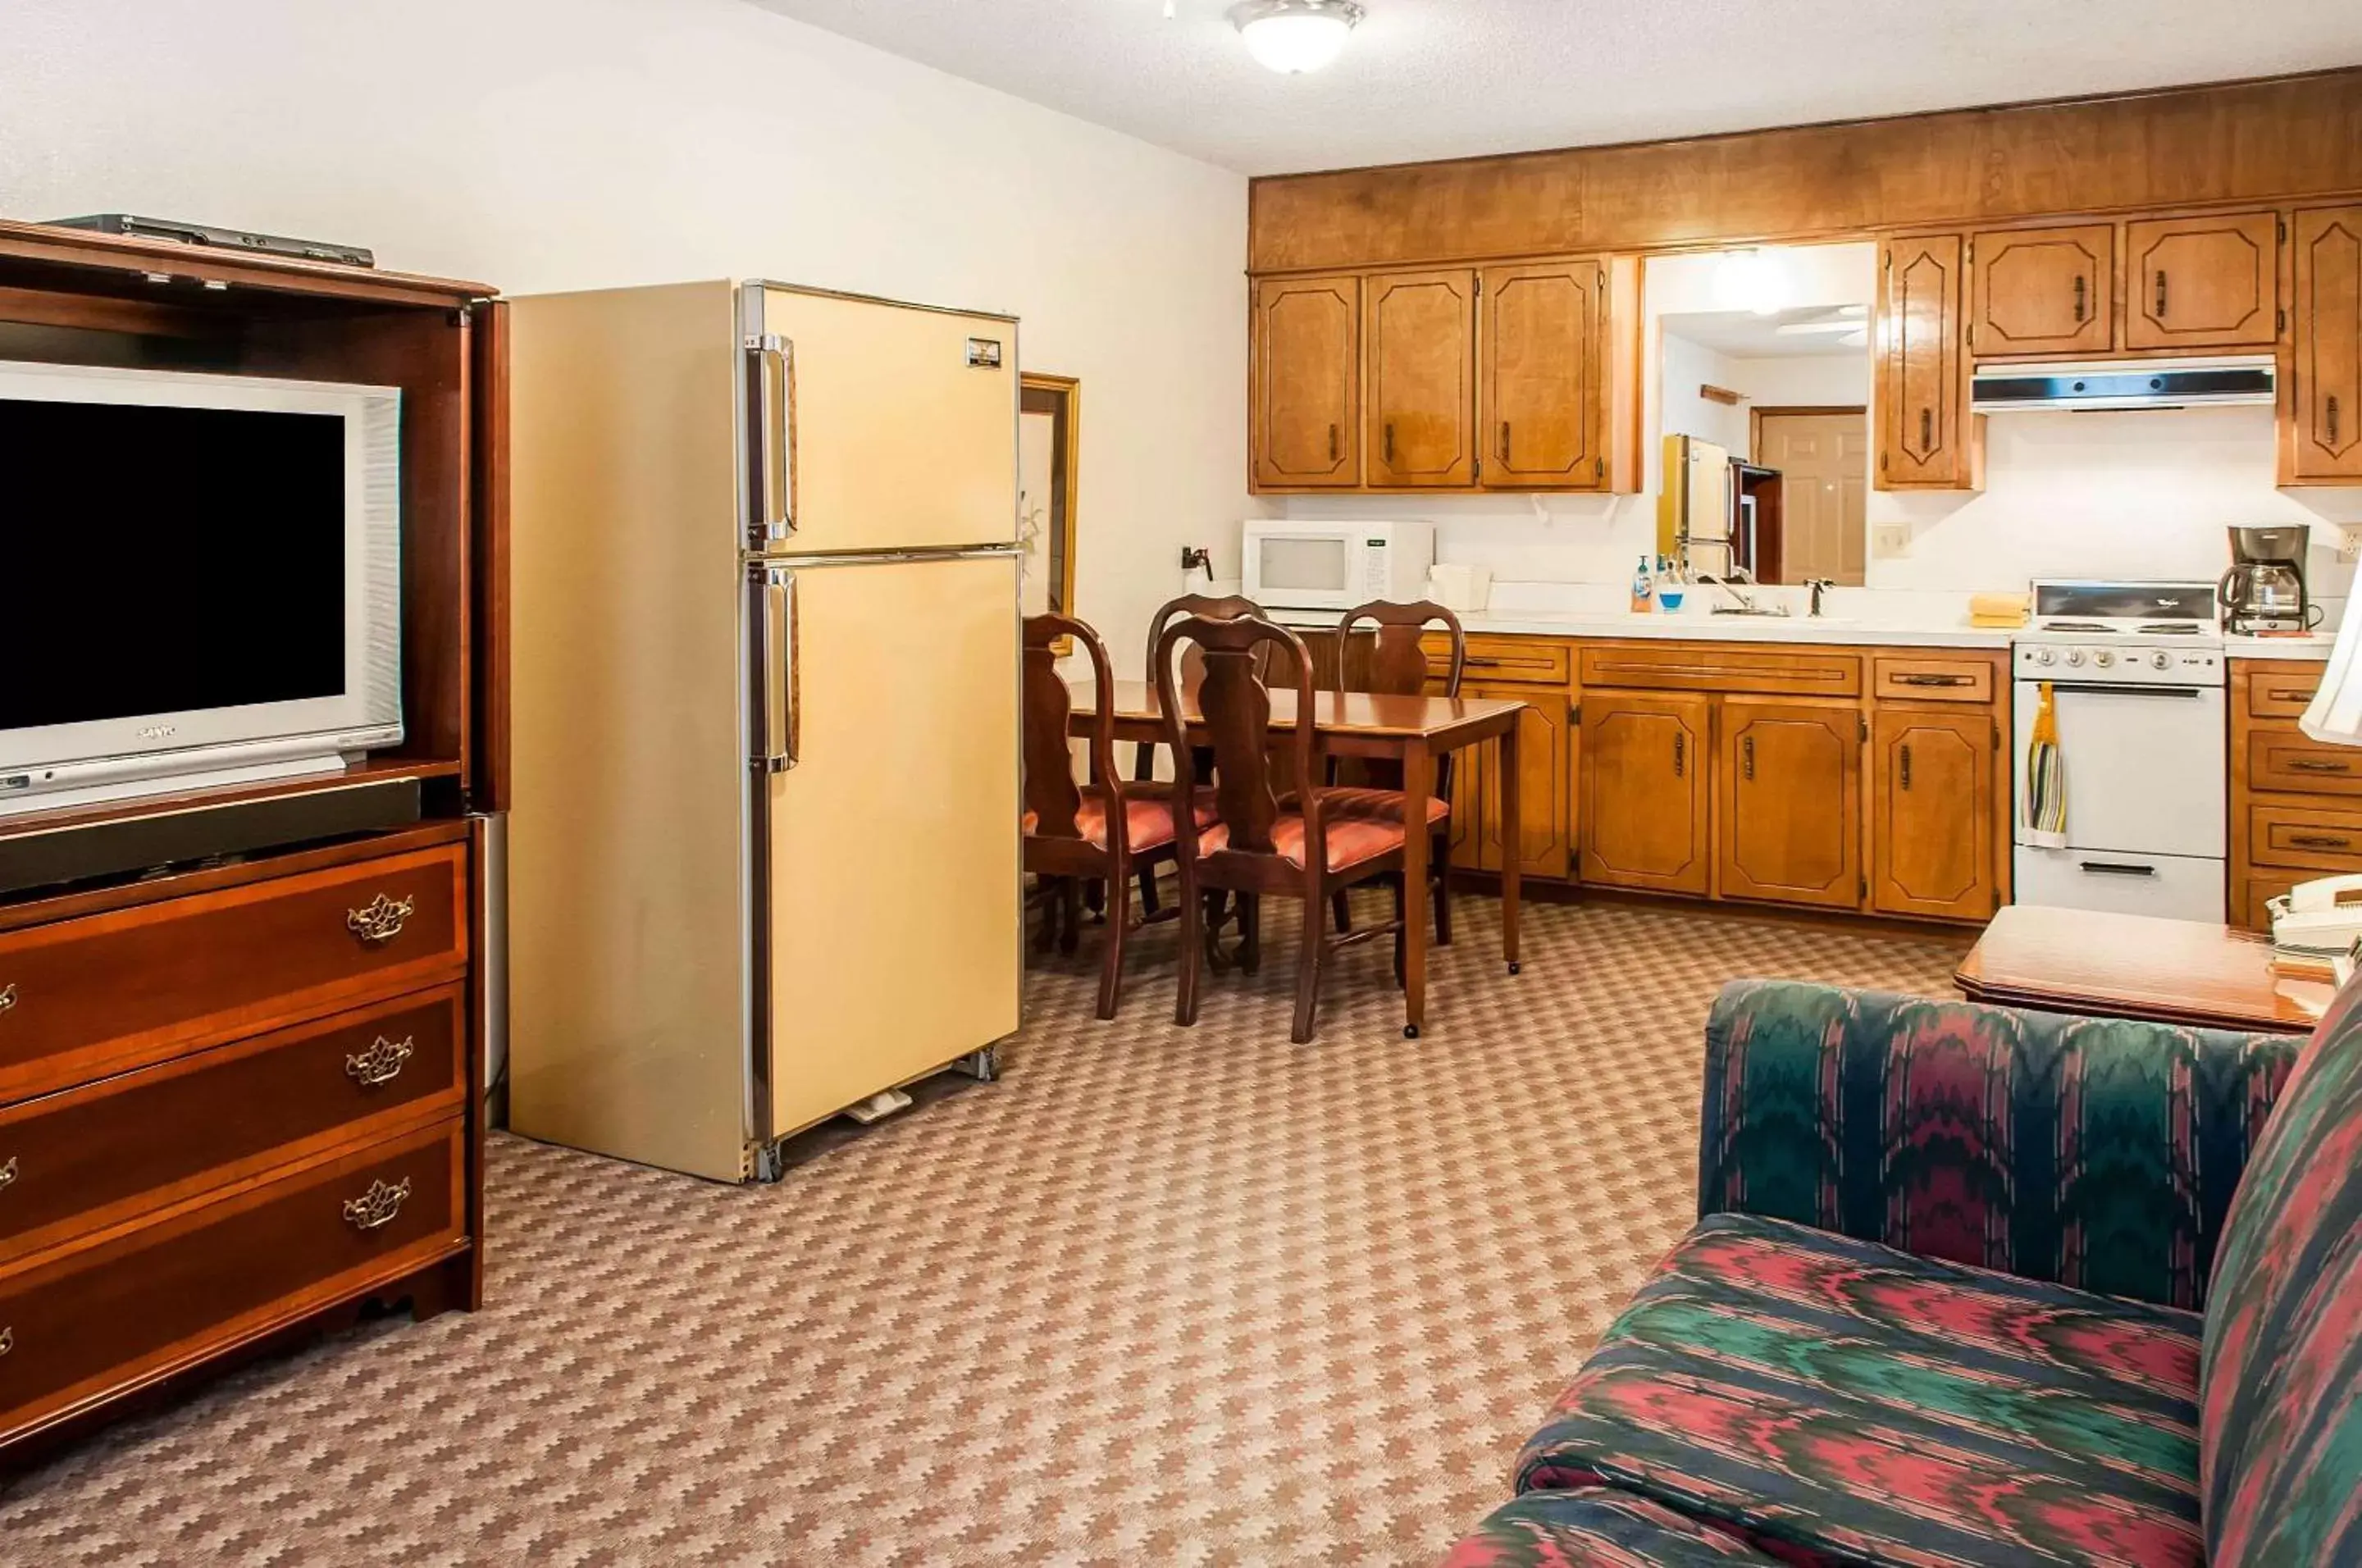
{"type": "Point", "coordinates": [1069, 840]}
{"type": "Point", "coordinates": [1220, 607]}
{"type": "Point", "coordinates": [1396, 665]}
{"type": "Point", "coordinates": [1259, 844]}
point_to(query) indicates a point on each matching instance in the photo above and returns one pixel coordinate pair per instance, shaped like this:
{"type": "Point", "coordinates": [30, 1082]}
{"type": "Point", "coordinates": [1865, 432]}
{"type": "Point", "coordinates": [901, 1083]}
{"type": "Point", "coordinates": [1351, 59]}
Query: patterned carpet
{"type": "Point", "coordinates": [1160, 1296]}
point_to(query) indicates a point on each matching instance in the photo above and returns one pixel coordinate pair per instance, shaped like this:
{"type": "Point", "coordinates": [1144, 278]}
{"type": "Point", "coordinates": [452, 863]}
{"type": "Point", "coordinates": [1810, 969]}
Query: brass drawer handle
{"type": "Point", "coordinates": [2301, 840]}
{"type": "Point", "coordinates": [377, 1206]}
{"type": "Point", "coordinates": [2282, 694]}
{"type": "Point", "coordinates": [381, 919]}
{"type": "Point", "coordinates": [382, 1063]}
{"type": "Point", "coordinates": [9, 998]}
{"type": "Point", "coordinates": [1933, 679]}
{"type": "Point", "coordinates": [8, 1174]}
{"type": "Point", "coordinates": [2317, 764]}
{"type": "Point", "coordinates": [7, 1339]}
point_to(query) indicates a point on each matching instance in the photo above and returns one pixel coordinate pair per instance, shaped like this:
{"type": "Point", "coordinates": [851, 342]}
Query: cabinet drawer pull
{"type": "Point", "coordinates": [1926, 430]}
{"type": "Point", "coordinates": [2301, 840]}
{"type": "Point", "coordinates": [382, 1063]}
{"type": "Point", "coordinates": [1332, 444]}
{"type": "Point", "coordinates": [1681, 753]}
{"type": "Point", "coordinates": [8, 1174]}
{"type": "Point", "coordinates": [377, 1206]}
{"type": "Point", "coordinates": [2282, 694]}
{"type": "Point", "coordinates": [9, 998]}
{"type": "Point", "coordinates": [2331, 411]}
{"type": "Point", "coordinates": [2082, 286]}
{"type": "Point", "coordinates": [1747, 758]}
{"type": "Point", "coordinates": [1906, 765]}
{"type": "Point", "coordinates": [2160, 294]}
{"type": "Point", "coordinates": [1933, 679]}
{"type": "Point", "coordinates": [1390, 444]}
{"type": "Point", "coordinates": [2318, 765]}
{"type": "Point", "coordinates": [381, 919]}
{"type": "Point", "coordinates": [7, 1339]}
{"type": "Point", "coordinates": [1505, 432]}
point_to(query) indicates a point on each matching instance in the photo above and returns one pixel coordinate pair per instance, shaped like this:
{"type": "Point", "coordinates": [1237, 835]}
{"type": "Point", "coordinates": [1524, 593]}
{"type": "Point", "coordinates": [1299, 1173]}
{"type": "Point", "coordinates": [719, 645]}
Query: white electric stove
{"type": "Point", "coordinates": [2136, 675]}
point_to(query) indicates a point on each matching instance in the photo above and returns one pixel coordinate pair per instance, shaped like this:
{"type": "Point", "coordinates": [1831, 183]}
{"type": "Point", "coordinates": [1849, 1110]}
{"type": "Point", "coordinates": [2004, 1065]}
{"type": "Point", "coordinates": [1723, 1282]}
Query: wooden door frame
{"type": "Point", "coordinates": [1060, 397]}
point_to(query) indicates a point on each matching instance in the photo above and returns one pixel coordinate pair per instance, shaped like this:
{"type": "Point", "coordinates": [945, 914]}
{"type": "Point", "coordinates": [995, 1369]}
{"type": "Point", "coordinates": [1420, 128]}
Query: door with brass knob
{"type": "Point", "coordinates": [1419, 334]}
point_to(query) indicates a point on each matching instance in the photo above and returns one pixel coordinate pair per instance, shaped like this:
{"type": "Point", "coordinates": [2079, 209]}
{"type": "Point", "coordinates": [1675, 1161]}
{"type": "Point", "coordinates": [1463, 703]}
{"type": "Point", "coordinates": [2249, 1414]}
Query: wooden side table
{"type": "Point", "coordinates": [2120, 966]}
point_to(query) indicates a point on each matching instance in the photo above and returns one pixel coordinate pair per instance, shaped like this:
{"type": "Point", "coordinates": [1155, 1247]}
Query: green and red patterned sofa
{"type": "Point", "coordinates": [1977, 1286]}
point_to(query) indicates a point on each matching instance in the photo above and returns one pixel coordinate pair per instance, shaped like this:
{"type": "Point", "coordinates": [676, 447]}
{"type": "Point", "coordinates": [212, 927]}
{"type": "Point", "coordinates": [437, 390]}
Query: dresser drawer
{"type": "Point", "coordinates": [1932, 678]}
{"type": "Point", "coordinates": [74, 1162]}
{"type": "Point", "coordinates": [1722, 667]}
{"type": "Point", "coordinates": [2304, 838]}
{"type": "Point", "coordinates": [85, 998]}
{"type": "Point", "coordinates": [107, 1317]}
{"type": "Point", "coordinates": [1510, 661]}
{"type": "Point", "coordinates": [2250, 898]}
{"type": "Point", "coordinates": [2282, 760]}
{"type": "Point", "coordinates": [2277, 690]}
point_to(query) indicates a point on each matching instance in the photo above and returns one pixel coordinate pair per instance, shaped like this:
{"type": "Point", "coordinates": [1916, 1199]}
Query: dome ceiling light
{"type": "Point", "coordinates": [1292, 37]}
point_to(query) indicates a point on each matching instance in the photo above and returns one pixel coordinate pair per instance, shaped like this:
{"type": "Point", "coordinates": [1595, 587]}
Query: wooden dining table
{"type": "Point", "coordinates": [1414, 730]}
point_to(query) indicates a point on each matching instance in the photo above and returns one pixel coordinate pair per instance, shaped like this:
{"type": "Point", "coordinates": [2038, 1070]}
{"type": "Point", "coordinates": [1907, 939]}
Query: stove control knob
{"type": "Point", "coordinates": [2044, 656]}
{"type": "Point", "coordinates": [2074, 656]}
{"type": "Point", "coordinates": [2161, 661]}
{"type": "Point", "coordinates": [2103, 659]}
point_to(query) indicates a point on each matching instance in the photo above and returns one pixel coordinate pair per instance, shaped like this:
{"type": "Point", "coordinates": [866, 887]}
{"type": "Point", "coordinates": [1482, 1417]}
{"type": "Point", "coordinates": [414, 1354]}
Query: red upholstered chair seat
{"type": "Point", "coordinates": [1378, 805]}
{"type": "Point", "coordinates": [1148, 821]}
{"type": "Point", "coordinates": [1352, 840]}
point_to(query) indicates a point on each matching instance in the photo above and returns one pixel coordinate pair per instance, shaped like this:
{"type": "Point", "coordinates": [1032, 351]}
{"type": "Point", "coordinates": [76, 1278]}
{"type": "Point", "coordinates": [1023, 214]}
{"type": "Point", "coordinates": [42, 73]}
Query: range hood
{"type": "Point", "coordinates": [2122, 384]}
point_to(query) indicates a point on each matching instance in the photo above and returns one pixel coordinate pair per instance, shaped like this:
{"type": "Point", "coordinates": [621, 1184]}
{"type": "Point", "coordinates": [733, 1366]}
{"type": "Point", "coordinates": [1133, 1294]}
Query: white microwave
{"type": "Point", "coordinates": [1335, 566]}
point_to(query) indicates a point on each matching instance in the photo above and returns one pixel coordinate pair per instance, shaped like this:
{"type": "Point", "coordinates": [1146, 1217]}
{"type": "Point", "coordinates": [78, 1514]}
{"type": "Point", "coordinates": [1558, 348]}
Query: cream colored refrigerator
{"type": "Point", "coordinates": [763, 860]}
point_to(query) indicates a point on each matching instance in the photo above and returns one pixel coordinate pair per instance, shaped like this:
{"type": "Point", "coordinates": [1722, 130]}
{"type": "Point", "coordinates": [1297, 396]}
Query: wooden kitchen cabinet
{"type": "Point", "coordinates": [1419, 329]}
{"type": "Point", "coordinates": [1645, 815]}
{"type": "Point", "coordinates": [1545, 793]}
{"type": "Point", "coordinates": [1926, 437]}
{"type": "Point", "coordinates": [2323, 427]}
{"type": "Point", "coordinates": [2210, 282]}
{"type": "Point", "coordinates": [1789, 783]}
{"type": "Point", "coordinates": [1932, 823]}
{"type": "Point", "coordinates": [1542, 372]}
{"type": "Point", "coordinates": [1308, 369]}
{"type": "Point", "coordinates": [2042, 291]}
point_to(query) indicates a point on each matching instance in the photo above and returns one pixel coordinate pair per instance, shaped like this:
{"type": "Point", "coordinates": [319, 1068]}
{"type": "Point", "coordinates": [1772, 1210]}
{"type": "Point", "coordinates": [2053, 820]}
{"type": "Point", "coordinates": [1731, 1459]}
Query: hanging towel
{"type": "Point", "coordinates": [2045, 807]}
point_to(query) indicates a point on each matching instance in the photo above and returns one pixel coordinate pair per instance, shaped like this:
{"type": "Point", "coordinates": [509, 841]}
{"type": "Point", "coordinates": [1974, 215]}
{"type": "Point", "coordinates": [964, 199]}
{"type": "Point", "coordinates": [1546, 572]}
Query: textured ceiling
{"type": "Point", "coordinates": [1426, 79]}
{"type": "Point", "coordinates": [1742, 335]}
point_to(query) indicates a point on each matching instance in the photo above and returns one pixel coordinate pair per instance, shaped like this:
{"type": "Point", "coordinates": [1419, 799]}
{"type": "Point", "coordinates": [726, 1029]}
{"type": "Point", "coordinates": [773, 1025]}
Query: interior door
{"type": "Point", "coordinates": [2326, 434]}
{"type": "Point", "coordinates": [1540, 399]}
{"type": "Point", "coordinates": [896, 427]}
{"type": "Point", "coordinates": [1925, 433]}
{"type": "Point", "coordinates": [2042, 291]}
{"type": "Point", "coordinates": [1932, 812]}
{"type": "Point", "coordinates": [2203, 283]}
{"type": "Point", "coordinates": [1823, 463]}
{"type": "Point", "coordinates": [894, 901]}
{"type": "Point", "coordinates": [1308, 379]}
{"type": "Point", "coordinates": [1790, 794]}
{"type": "Point", "coordinates": [1421, 333]}
{"type": "Point", "coordinates": [1645, 800]}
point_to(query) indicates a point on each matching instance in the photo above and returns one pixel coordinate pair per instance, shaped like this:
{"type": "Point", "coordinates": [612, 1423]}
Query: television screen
{"type": "Point", "coordinates": [167, 560]}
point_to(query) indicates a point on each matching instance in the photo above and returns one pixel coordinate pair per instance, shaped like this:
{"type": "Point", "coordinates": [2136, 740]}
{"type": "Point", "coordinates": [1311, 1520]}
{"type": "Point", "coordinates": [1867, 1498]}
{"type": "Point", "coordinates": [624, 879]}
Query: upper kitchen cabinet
{"type": "Point", "coordinates": [1419, 329]}
{"type": "Point", "coordinates": [2324, 432]}
{"type": "Point", "coordinates": [1554, 377]}
{"type": "Point", "coordinates": [2042, 291]}
{"type": "Point", "coordinates": [2211, 282]}
{"type": "Point", "coordinates": [1926, 437]}
{"type": "Point", "coordinates": [1307, 364]}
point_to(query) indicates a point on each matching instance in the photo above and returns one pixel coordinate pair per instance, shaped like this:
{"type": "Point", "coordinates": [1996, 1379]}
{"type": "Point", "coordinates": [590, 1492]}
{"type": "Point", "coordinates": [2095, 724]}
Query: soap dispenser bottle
{"type": "Point", "coordinates": [1643, 589]}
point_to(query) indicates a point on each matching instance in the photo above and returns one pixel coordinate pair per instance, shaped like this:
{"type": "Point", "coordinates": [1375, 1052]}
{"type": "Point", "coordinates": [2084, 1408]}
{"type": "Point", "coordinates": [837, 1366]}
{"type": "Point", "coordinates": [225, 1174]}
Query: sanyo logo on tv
{"type": "Point", "coordinates": [158, 732]}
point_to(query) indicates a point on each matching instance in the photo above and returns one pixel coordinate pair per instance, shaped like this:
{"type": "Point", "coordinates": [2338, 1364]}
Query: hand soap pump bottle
{"type": "Point", "coordinates": [1643, 589]}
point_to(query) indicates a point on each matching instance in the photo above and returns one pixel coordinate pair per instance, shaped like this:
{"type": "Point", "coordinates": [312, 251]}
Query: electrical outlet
{"type": "Point", "coordinates": [2349, 543]}
{"type": "Point", "coordinates": [1888, 540]}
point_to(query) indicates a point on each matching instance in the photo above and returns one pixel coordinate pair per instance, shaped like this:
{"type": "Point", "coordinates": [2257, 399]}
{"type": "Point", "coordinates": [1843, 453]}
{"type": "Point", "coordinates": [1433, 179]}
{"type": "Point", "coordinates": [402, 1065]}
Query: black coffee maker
{"type": "Point", "coordinates": [2264, 589]}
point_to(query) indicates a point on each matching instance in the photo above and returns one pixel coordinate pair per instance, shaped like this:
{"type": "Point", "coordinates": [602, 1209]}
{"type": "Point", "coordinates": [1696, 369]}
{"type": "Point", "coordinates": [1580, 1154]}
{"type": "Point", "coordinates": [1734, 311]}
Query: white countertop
{"type": "Point", "coordinates": [1688, 625]}
{"type": "Point", "coordinates": [2312, 646]}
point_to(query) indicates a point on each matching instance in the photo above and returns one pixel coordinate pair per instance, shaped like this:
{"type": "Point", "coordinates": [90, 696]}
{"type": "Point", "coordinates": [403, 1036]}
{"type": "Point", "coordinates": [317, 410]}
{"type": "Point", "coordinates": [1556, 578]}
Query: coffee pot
{"type": "Point", "coordinates": [2264, 589]}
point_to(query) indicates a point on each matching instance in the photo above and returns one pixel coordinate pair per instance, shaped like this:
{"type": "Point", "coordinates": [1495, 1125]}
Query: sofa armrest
{"type": "Point", "coordinates": [2096, 1152]}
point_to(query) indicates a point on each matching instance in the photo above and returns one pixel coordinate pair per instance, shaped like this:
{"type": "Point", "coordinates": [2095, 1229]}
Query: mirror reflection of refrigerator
{"type": "Point", "coordinates": [1693, 510]}
{"type": "Point", "coordinates": [764, 856]}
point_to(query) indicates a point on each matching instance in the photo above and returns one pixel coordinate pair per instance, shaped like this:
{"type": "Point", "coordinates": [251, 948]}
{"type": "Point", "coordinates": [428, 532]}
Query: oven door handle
{"type": "Point", "coordinates": [2105, 689]}
{"type": "Point", "coordinates": [2115, 868]}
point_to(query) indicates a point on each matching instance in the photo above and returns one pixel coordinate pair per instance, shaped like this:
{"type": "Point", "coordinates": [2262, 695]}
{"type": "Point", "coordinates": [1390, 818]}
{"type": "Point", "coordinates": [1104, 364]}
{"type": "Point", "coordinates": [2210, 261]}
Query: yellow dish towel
{"type": "Point", "coordinates": [2044, 806]}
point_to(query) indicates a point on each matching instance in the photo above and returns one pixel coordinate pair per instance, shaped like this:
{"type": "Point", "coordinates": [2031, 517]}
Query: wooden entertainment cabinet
{"type": "Point", "coordinates": [240, 1095]}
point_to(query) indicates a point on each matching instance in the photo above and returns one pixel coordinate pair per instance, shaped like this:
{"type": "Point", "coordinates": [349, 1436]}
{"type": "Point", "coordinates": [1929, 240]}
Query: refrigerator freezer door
{"type": "Point", "coordinates": [894, 905]}
{"type": "Point", "coordinates": [898, 429]}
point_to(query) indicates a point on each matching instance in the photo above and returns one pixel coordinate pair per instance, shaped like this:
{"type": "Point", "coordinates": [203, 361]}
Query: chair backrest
{"type": "Point", "coordinates": [1051, 793]}
{"type": "Point", "coordinates": [1397, 662]}
{"type": "Point", "coordinates": [1235, 708]}
{"type": "Point", "coordinates": [1214, 607]}
{"type": "Point", "coordinates": [2280, 1386]}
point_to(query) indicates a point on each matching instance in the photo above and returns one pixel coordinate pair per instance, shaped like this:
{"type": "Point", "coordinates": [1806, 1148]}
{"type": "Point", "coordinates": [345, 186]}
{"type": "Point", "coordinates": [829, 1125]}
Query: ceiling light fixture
{"type": "Point", "coordinates": [1292, 37]}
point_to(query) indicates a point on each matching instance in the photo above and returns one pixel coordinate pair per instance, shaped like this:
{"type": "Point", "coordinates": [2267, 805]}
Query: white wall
{"type": "Point", "coordinates": [541, 145]}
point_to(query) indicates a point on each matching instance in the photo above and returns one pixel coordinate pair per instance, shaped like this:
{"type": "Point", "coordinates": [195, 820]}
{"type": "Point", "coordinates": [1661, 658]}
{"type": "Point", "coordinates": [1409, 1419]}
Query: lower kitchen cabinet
{"type": "Point", "coordinates": [1544, 795]}
{"type": "Point", "coordinates": [1645, 814]}
{"type": "Point", "coordinates": [1932, 823]}
{"type": "Point", "coordinates": [1789, 784]}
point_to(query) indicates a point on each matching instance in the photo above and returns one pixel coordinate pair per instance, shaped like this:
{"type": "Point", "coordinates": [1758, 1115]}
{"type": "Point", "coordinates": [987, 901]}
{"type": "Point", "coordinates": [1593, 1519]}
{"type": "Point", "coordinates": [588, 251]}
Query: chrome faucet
{"type": "Point", "coordinates": [1819, 585]}
{"type": "Point", "coordinates": [1743, 601]}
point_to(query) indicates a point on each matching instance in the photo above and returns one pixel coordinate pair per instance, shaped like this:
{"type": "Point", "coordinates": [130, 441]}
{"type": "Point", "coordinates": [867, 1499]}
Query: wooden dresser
{"type": "Point", "coordinates": [2296, 804]}
{"type": "Point", "coordinates": [238, 1090]}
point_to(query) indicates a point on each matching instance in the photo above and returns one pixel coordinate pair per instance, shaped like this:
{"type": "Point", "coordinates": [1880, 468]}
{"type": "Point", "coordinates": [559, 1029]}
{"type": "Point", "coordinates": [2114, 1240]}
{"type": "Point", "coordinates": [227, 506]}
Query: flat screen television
{"type": "Point", "coordinates": [200, 581]}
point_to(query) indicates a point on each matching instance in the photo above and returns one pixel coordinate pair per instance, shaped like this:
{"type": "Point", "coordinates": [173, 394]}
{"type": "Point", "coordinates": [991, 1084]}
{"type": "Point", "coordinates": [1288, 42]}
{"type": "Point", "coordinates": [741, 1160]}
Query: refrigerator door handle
{"type": "Point", "coordinates": [778, 743]}
{"type": "Point", "coordinates": [770, 373]}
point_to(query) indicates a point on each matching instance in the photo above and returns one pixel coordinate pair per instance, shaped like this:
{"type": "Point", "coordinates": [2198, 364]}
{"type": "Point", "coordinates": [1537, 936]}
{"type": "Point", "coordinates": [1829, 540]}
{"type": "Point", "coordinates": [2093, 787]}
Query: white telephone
{"type": "Point", "coordinates": [2321, 917]}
